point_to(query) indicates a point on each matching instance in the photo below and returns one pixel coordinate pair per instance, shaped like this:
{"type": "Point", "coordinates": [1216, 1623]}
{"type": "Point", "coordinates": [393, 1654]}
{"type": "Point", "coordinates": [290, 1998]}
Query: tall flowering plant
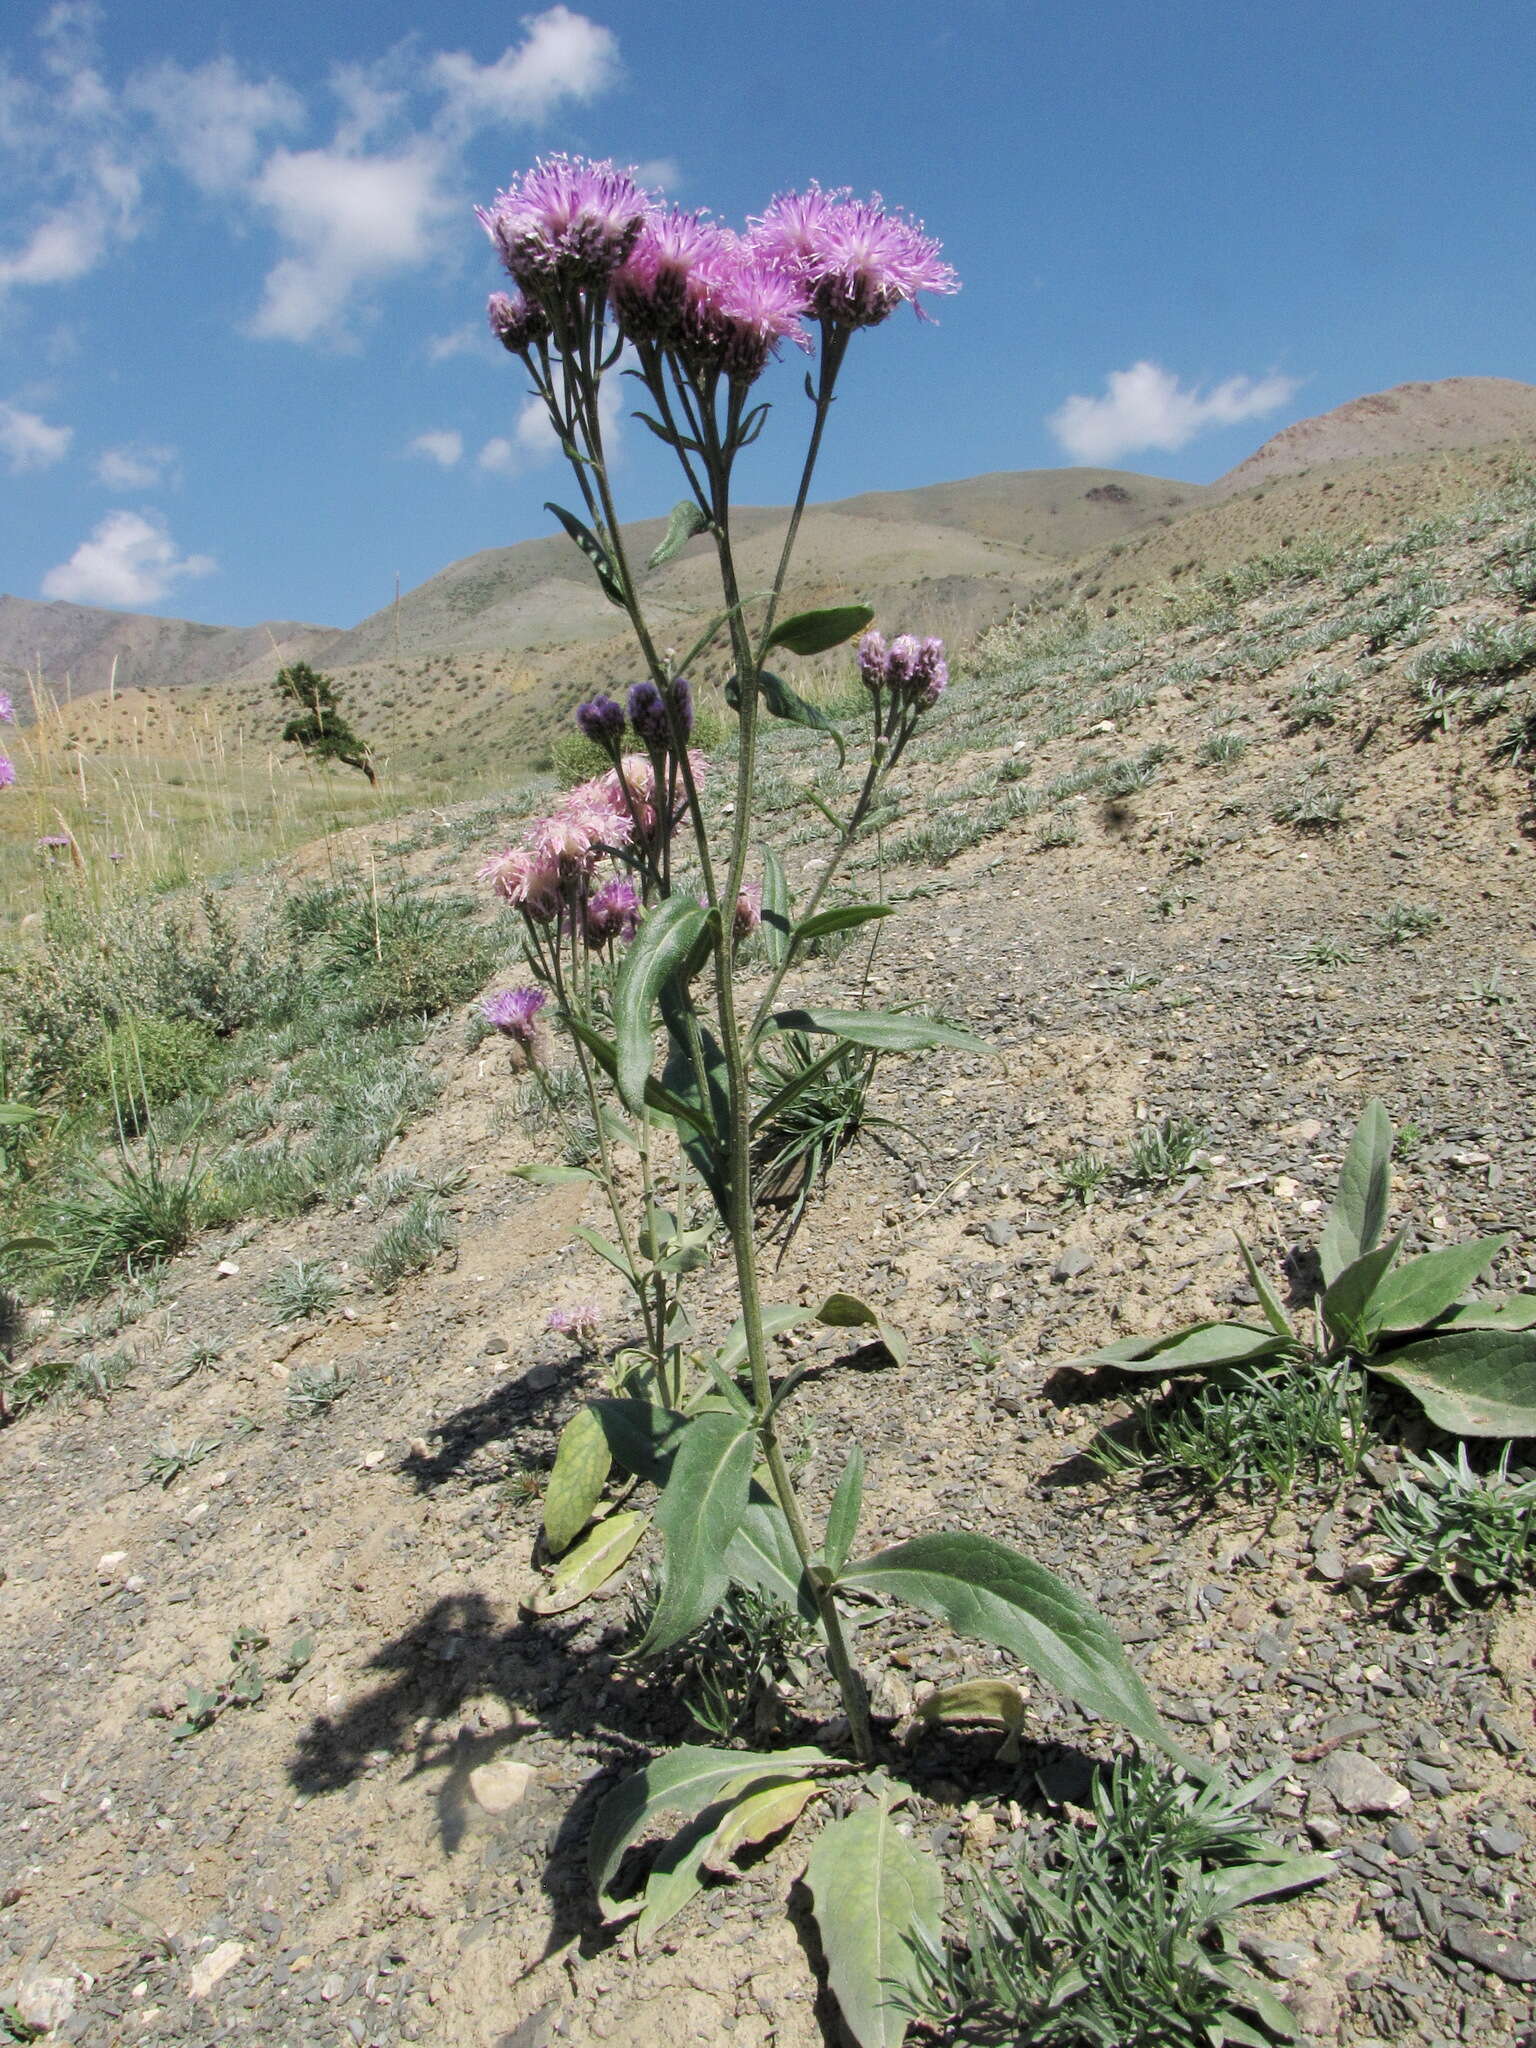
{"type": "Point", "coordinates": [635, 908]}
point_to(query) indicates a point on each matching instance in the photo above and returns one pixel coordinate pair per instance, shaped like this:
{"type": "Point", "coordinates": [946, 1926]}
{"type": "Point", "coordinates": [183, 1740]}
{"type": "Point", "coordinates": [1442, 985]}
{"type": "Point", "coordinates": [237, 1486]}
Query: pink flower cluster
{"type": "Point", "coordinates": [722, 299]}
{"type": "Point", "coordinates": [583, 1321]}
{"type": "Point", "coordinates": [913, 671]}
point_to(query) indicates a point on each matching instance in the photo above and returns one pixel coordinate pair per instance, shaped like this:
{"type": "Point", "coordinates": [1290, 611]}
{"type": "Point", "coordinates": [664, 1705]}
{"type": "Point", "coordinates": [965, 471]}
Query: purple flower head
{"type": "Point", "coordinates": [749, 910]}
{"type": "Point", "coordinates": [54, 842]}
{"type": "Point", "coordinates": [651, 291]}
{"type": "Point", "coordinates": [7, 771]}
{"type": "Point", "coordinates": [528, 878]}
{"type": "Point", "coordinates": [930, 674]}
{"type": "Point", "coordinates": [856, 261]}
{"type": "Point", "coordinates": [601, 719]}
{"type": "Point", "coordinates": [7, 709]}
{"type": "Point", "coordinates": [901, 662]}
{"type": "Point", "coordinates": [680, 696]}
{"type": "Point", "coordinates": [514, 1012]}
{"type": "Point", "coordinates": [566, 221]}
{"type": "Point", "coordinates": [583, 1321]}
{"type": "Point", "coordinates": [516, 323]}
{"type": "Point", "coordinates": [874, 656]}
{"type": "Point", "coordinates": [743, 307]}
{"type": "Point", "coordinates": [648, 715]}
{"type": "Point", "coordinates": [612, 912]}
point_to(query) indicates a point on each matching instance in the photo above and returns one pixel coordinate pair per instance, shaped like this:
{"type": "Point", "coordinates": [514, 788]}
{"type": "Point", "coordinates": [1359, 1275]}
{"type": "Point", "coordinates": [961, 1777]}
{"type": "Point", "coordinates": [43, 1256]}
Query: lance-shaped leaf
{"type": "Point", "coordinates": [768, 1811]}
{"type": "Point", "coordinates": [843, 1515]}
{"type": "Point", "coordinates": [684, 1781]}
{"type": "Point", "coordinates": [778, 908]}
{"type": "Point", "coordinates": [1197, 1347]}
{"type": "Point", "coordinates": [659, 948]}
{"type": "Point", "coordinates": [990, 1700]}
{"type": "Point", "coordinates": [878, 1900]}
{"type": "Point", "coordinates": [987, 1591]}
{"type": "Point", "coordinates": [1244, 1884]}
{"type": "Point", "coordinates": [641, 1437]}
{"type": "Point", "coordinates": [815, 632]}
{"type": "Point", "coordinates": [1359, 1213]}
{"type": "Point", "coordinates": [591, 1563]}
{"type": "Point", "coordinates": [1514, 1312]}
{"type": "Point", "coordinates": [542, 1176]}
{"type": "Point", "coordinates": [1470, 1382]}
{"type": "Point", "coordinates": [656, 1097]}
{"type": "Point", "coordinates": [788, 704]}
{"type": "Point", "coordinates": [1269, 1301]}
{"type": "Point", "coordinates": [1346, 1302]}
{"type": "Point", "coordinates": [846, 918]}
{"type": "Point", "coordinates": [699, 1512]}
{"type": "Point", "coordinates": [582, 1465]}
{"type": "Point", "coordinates": [606, 1249]}
{"type": "Point", "coordinates": [885, 1031]}
{"type": "Point", "coordinates": [602, 562]}
{"type": "Point", "coordinates": [1422, 1289]}
{"type": "Point", "coordinates": [762, 1556]}
{"type": "Point", "coordinates": [686, 520]}
{"type": "Point", "coordinates": [777, 1317]}
{"type": "Point", "coordinates": [848, 1312]}
{"type": "Point", "coordinates": [677, 1875]}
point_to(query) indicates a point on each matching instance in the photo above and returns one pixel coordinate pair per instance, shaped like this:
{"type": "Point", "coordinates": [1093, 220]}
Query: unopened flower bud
{"type": "Point", "coordinates": [873, 656]}
{"type": "Point", "coordinates": [901, 663]}
{"type": "Point", "coordinates": [749, 910]}
{"type": "Point", "coordinates": [601, 719]}
{"type": "Point", "coordinates": [516, 322]}
{"type": "Point", "coordinates": [930, 675]}
{"type": "Point", "coordinates": [680, 692]}
{"type": "Point", "coordinates": [648, 715]}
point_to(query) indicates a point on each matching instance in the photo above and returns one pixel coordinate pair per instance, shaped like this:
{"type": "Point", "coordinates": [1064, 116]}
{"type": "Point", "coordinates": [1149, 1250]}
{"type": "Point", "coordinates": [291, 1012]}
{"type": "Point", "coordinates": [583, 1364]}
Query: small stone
{"type": "Point", "coordinates": [1288, 1960]}
{"type": "Point", "coordinates": [333, 1987]}
{"type": "Point", "coordinates": [997, 1230]}
{"type": "Point", "coordinates": [226, 1269]}
{"type": "Point", "coordinates": [540, 1378]}
{"type": "Point", "coordinates": [493, 1347]}
{"type": "Point", "coordinates": [1499, 1840]}
{"type": "Point", "coordinates": [214, 1966]}
{"type": "Point", "coordinates": [107, 1564]}
{"type": "Point", "coordinates": [1403, 1840]}
{"type": "Point", "coordinates": [1499, 1954]}
{"type": "Point", "coordinates": [1074, 1260]}
{"type": "Point", "coordinates": [45, 2002]}
{"type": "Point", "coordinates": [498, 1787]}
{"type": "Point", "coordinates": [1359, 1784]}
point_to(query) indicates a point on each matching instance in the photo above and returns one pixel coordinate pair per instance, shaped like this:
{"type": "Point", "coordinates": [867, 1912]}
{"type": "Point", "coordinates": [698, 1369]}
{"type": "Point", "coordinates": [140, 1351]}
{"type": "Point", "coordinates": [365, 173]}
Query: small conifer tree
{"type": "Point", "coordinates": [318, 725]}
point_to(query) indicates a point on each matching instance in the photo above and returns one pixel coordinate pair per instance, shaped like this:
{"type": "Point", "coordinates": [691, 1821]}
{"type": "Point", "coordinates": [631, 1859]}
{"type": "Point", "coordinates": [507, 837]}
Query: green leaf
{"type": "Point", "coordinates": [1418, 1291]}
{"type": "Point", "coordinates": [885, 1031]}
{"type": "Point", "coordinates": [789, 705]}
{"type": "Point", "coordinates": [582, 1465]}
{"type": "Point", "coordinates": [605, 1249]}
{"type": "Point", "coordinates": [1194, 1348]}
{"type": "Point", "coordinates": [660, 947]}
{"type": "Point", "coordinates": [543, 1176]}
{"type": "Point", "coordinates": [762, 1556]}
{"type": "Point", "coordinates": [843, 1515]}
{"type": "Point", "coordinates": [814, 632]}
{"type": "Point", "coordinates": [843, 919]}
{"type": "Point", "coordinates": [602, 562]}
{"type": "Point", "coordinates": [592, 1563]}
{"type": "Point", "coordinates": [769, 1810]}
{"type": "Point", "coordinates": [1269, 1301]}
{"type": "Point", "coordinates": [984, 1589]}
{"type": "Point", "coordinates": [992, 1700]}
{"type": "Point", "coordinates": [677, 1875]}
{"type": "Point", "coordinates": [1470, 1382]}
{"type": "Point", "coordinates": [777, 908]}
{"type": "Point", "coordinates": [656, 1097]}
{"type": "Point", "coordinates": [1244, 1884]}
{"type": "Point", "coordinates": [699, 1512]}
{"type": "Point", "coordinates": [848, 1312]}
{"type": "Point", "coordinates": [1514, 1312]}
{"type": "Point", "coordinates": [685, 522]}
{"type": "Point", "coordinates": [641, 1437]}
{"type": "Point", "coordinates": [877, 1898]}
{"type": "Point", "coordinates": [684, 1781]}
{"type": "Point", "coordinates": [777, 1316]}
{"type": "Point", "coordinates": [1359, 1213]}
{"type": "Point", "coordinates": [1346, 1302]}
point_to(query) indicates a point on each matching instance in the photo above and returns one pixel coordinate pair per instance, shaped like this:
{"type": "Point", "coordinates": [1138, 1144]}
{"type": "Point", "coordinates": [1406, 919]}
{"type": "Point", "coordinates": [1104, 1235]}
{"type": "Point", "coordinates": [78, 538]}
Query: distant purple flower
{"type": "Point", "coordinates": [601, 719]}
{"type": "Point", "coordinates": [566, 221]}
{"type": "Point", "coordinates": [53, 842]}
{"type": "Point", "coordinates": [612, 912]}
{"type": "Point", "coordinates": [749, 910]}
{"type": "Point", "coordinates": [583, 1321]}
{"type": "Point", "coordinates": [652, 290]}
{"type": "Point", "coordinates": [516, 323]}
{"type": "Point", "coordinates": [7, 709]}
{"type": "Point", "coordinates": [7, 771]}
{"type": "Point", "coordinates": [117, 856]}
{"type": "Point", "coordinates": [648, 715]}
{"type": "Point", "coordinates": [514, 1012]}
{"type": "Point", "coordinates": [914, 671]}
{"type": "Point", "coordinates": [856, 261]}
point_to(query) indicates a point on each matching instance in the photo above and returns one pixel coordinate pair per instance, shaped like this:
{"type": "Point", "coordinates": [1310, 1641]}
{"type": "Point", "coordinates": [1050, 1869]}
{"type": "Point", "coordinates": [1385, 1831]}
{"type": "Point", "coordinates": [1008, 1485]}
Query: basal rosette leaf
{"type": "Point", "coordinates": [1419, 1291]}
{"type": "Point", "coordinates": [1359, 1212]}
{"type": "Point", "coordinates": [1197, 1347]}
{"type": "Point", "coordinates": [581, 1468]}
{"type": "Point", "coordinates": [877, 1899]}
{"type": "Point", "coordinates": [1470, 1382]}
{"type": "Point", "coordinates": [598, 1557]}
{"type": "Point", "coordinates": [699, 1512]}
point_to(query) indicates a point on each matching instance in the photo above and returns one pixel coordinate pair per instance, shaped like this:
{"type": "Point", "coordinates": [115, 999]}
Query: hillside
{"type": "Point", "coordinates": [1410, 419]}
{"type": "Point", "coordinates": [1207, 876]}
{"type": "Point", "coordinates": [75, 650]}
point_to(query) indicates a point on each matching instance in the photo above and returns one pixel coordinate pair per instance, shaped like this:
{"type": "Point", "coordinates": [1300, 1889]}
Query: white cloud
{"type": "Point", "coordinates": [27, 441]}
{"type": "Point", "coordinates": [563, 56]}
{"type": "Point", "coordinates": [472, 339]}
{"type": "Point", "coordinates": [352, 221]}
{"type": "Point", "coordinates": [72, 239]}
{"type": "Point", "coordinates": [533, 440]}
{"type": "Point", "coordinates": [1147, 407]}
{"type": "Point", "coordinates": [129, 559]}
{"type": "Point", "coordinates": [661, 173]}
{"type": "Point", "coordinates": [442, 445]}
{"type": "Point", "coordinates": [211, 119]}
{"type": "Point", "coordinates": [136, 467]}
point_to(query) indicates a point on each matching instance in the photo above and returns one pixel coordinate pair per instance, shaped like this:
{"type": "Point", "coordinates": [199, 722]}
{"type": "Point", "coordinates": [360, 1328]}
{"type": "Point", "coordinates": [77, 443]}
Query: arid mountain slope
{"type": "Point", "coordinates": [75, 648]}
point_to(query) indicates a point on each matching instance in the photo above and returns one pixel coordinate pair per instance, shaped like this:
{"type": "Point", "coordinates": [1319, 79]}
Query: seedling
{"type": "Point", "coordinates": [166, 1465]}
{"type": "Point", "coordinates": [1400, 922]}
{"type": "Point", "coordinates": [317, 1386]}
{"type": "Point", "coordinates": [1165, 1152]}
{"type": "Point", "coordinates": [1083, 1175]}
{"type": "Point", "coordinates": [301, 1288]}
{"type": "Point", "coordinates": [246, 1683]}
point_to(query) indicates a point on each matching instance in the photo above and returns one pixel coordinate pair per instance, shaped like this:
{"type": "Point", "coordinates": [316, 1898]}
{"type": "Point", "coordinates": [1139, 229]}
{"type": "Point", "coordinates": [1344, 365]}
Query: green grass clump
{"type": "Point", "coordinates": [143, 1063]}
{"type": "Point", "coordinates": [1468, 1529]}
{"type": "Point", "coordinates": [124, 1221]}
{"type": "Point", "coordinates": [411, 1241]}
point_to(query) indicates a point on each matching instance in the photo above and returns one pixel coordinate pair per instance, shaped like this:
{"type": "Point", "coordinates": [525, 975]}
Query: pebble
{"type": "Point", "coordinates": [1500, 1954]}
{"type": "Point", "coordinates": [493, 1347]}
{"type": "Point", "coordinates": [1404, 1840]}
{"type": "Point", "coordinates": [1499, 1840]}
{"type": "Point", "coordinates": [498, 1787]}
{"type": "Point", "coordinates": [997, 1230]}
{"type": "Point", "coordinates": [1074, 1260]}
{"type": "Point", "coordinates": [215, 1965]}
{"type": "Point", "coordinates": [1359, 1784]}
{"type": "Point", "coordinates": [540, 1378]}
{"type": "Point", "coordinates": [45, 2002]}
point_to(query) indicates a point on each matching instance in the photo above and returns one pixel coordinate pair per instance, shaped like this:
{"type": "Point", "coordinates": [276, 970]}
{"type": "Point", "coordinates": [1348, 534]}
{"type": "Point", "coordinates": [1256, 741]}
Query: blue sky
{"type": "Point", "coordinates": [242, 366]}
